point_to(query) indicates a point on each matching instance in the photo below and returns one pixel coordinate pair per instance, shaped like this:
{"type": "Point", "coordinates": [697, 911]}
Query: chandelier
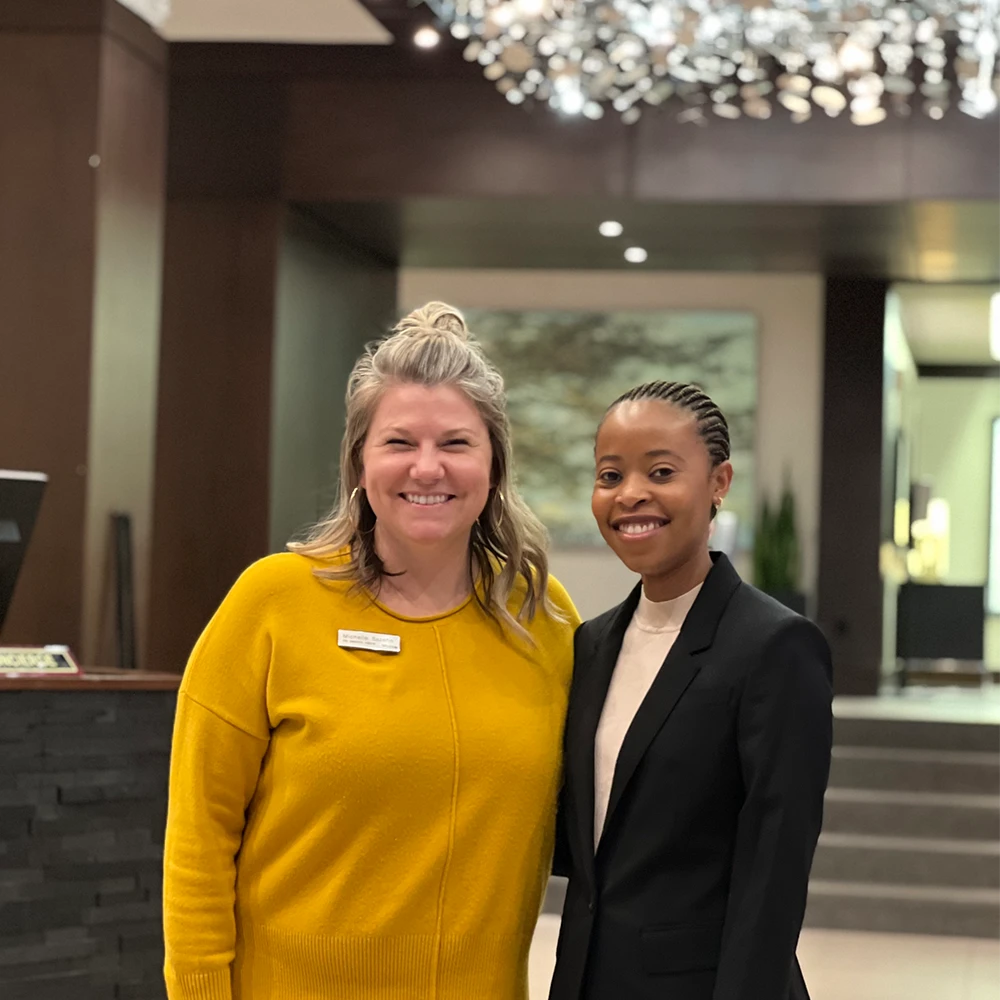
{"type": "Point", "coordinates": [861, 58]}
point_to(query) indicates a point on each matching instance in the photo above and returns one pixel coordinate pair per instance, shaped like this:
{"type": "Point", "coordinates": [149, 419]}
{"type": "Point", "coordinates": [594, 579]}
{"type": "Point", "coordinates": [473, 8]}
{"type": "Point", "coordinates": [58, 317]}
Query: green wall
{"type": "Point", "coordinates": [332, 299]}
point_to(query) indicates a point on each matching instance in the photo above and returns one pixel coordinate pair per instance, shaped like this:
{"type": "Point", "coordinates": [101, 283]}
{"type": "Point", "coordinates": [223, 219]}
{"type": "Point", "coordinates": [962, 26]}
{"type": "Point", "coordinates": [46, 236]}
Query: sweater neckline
{"type": "Point", "coordinates": [423, 619]}
{"type": "Point", "coordinates": [664, 616]}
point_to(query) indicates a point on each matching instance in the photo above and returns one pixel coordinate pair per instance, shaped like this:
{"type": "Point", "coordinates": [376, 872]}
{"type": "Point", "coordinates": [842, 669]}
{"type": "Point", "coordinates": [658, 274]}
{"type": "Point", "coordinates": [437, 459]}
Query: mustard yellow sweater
{"type": "Point", "coordinates": [346, 824]}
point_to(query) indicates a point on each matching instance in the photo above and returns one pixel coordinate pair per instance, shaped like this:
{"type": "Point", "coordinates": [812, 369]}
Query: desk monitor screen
{"type": "Point", "coordinates": [20, 498]}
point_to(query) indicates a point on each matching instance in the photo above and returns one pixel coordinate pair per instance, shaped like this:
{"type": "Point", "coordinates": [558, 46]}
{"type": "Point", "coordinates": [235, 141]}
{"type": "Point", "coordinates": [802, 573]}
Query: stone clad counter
{"type": "Point", "coordinates": [83, 792]}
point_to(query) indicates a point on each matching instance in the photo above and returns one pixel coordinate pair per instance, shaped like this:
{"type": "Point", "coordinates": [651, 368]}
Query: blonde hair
{"type": "Point", "coordinates": [430, 347]}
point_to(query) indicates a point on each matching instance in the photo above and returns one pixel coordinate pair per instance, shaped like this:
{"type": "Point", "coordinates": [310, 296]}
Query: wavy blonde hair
{"type": "Point", "coordinates": [430, 347]}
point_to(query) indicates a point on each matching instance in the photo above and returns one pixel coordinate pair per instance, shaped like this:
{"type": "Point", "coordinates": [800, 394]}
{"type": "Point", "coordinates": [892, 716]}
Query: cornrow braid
{"type": "Point", "coordinates": [712, 426]}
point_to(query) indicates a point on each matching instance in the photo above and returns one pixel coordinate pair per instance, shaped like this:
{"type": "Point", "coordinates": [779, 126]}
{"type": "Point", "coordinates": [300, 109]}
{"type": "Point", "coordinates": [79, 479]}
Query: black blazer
{"type": "Point", "coordinates": [698, 886]}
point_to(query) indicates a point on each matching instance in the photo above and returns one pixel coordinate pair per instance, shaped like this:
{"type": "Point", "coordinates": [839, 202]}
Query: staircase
{"type": "Point", "coordinates": [911, 835]}
{"type": "Point", "coordinates": [911, 832]}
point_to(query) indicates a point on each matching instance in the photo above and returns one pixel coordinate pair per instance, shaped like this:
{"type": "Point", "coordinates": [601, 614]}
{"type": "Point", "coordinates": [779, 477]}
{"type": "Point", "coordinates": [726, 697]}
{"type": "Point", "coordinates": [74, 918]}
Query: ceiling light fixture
{"type": "Point", "coordinates": [729, 58]}
{"type": "Point", "coordinates": [611, 228]}
{"type": "Point", "coordinates": [426, 38]}
{"type": "Point", "coordinates": [636, 255]}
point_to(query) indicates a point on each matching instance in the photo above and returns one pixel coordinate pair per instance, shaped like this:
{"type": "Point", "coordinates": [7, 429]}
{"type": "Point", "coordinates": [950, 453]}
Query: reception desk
{"type": "Point", "coordinates": [83, 792]}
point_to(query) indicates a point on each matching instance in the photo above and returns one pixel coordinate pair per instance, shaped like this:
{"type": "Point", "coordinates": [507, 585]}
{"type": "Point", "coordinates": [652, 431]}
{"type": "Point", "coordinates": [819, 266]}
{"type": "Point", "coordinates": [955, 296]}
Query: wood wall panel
{"type": "Point", "coordinates": [79, 79]}
{"type": "Point", "coordinates": [48, 111]}
{"type": "Point", "coordinates": [390, 138]}
{"type": "Point", "coordinates": [225, 137]}
{"type": "Point", "coordinates": [52, 15]}
{"type": "Point", "coordinates": [390, 122]}
{"type": "Point", "coordinates": [210, 514]}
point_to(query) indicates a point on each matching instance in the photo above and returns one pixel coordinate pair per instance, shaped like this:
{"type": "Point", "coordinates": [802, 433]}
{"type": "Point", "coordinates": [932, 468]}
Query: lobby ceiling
{"type": "Point", "coordinates": [914, 242]}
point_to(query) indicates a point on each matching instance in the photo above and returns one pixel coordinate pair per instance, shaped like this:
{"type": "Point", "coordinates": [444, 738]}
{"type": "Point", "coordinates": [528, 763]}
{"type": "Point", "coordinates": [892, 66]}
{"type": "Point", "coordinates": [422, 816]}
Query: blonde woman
{"type": "Point", "coordinates": [367, 748]}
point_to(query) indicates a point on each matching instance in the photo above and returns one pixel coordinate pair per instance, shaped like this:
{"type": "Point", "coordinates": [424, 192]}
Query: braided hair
{"type": "Point", "coordinates": [711, 423]}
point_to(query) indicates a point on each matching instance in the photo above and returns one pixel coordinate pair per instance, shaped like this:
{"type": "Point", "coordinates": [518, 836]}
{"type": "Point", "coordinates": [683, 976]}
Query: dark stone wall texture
{"type": "Point", "coordinates": [83, 797]}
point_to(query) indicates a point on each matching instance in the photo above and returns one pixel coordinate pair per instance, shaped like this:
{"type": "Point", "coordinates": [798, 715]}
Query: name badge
{"type": "Point", "coordinates": [377, 642]}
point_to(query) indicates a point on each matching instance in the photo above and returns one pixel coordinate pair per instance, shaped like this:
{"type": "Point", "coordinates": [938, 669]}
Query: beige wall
{"type": "Point", "coordinates": [789, 311]}
{"type": "Point", "coordinates": [126, 335]}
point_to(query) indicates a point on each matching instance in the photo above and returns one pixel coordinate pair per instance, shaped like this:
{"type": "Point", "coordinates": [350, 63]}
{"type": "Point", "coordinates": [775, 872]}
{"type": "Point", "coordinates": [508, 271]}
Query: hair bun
{"type": "Point", "coordinates": [433, 318]}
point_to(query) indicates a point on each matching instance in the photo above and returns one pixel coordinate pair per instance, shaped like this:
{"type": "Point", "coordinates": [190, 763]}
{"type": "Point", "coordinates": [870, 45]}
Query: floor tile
{"type": "Point", "coordinates": [854, 965]}
{"type": "Point", "coordinates": [982, 977]}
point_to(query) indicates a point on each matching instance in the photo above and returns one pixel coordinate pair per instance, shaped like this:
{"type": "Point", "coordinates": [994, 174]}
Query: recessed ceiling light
{"type": "Point", "coordinates": [426, 38]}
{"type": "Point", "coordinates": [611, 228]}
{"type": "Point", "coordinates": [995, 326]}
{"type": "Point", "coordinates": [635, 255]}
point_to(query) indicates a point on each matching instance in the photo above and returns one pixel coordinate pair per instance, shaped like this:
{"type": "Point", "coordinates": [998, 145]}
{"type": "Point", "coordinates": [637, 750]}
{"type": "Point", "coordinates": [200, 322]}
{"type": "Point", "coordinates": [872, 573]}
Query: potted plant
{"type": "Point", "coordinates": [776, 557]}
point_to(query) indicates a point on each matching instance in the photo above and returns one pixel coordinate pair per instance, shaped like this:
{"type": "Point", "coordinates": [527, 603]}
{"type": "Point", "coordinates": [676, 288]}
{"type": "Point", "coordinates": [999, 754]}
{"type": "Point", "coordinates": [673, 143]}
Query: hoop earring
{"type": "Point", "coordinates": [496, 527]}
{"type": "Point", "coordinates": [354, 493]}
{"type": "Point", "coordinates": [717, 503]}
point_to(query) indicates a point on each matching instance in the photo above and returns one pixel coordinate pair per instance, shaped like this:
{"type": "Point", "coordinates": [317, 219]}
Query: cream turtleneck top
{"type": "Point", "coordinates": [649, 637]}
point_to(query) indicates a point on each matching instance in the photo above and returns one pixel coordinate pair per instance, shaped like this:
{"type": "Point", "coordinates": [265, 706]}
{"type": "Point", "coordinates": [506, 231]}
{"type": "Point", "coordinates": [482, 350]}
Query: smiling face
{"type": "Point", "coordinates": [426, 467]}
{"type": "Point", "coordinates": [653, 494]}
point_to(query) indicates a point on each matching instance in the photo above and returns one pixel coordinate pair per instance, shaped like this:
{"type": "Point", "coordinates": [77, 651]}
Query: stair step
{"type": "Point", "coordinates": [911, 893]}
{"type": "Point", "coordinates": [869, 906]}
{"type": "Point", "coordinates": [914, 861]}
{"type": "Point", "coordinates": [936, 815]}
{"type": "Point", "coordinates": [894, 769]}
{"type": "Point", "coordinates": [978, 737]}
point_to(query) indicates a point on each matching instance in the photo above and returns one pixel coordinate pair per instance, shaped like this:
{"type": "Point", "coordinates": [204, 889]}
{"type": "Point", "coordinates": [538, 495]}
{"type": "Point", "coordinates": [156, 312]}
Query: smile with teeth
{"type": "Point", "coordinates": [637, 529]}
{"type": "Point", "coordinates": [426, 500]}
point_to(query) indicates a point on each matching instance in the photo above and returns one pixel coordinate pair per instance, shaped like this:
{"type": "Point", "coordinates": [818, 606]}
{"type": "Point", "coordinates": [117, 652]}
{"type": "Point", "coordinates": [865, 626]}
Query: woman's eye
{"type": "Point", "coordinates": [397, 441]}
{"type": "Point", "coordinates": [662, 474]}
{"type": "Point", "coordinates": [608, 477]}
{"type": "Point", "coordinates": [455, 443]}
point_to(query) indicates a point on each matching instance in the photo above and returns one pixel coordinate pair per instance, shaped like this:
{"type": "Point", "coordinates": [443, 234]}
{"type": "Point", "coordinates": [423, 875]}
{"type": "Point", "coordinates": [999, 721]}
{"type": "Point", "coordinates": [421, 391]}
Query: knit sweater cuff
{"type": "Point", "coordinates": [215, 985]}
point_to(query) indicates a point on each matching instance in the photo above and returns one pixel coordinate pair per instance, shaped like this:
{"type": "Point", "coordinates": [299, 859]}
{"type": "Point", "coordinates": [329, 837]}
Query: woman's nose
{"type": "Point", "coordinates": [634, 490]}
{"type": "Point", "coordinates": [427, 464]}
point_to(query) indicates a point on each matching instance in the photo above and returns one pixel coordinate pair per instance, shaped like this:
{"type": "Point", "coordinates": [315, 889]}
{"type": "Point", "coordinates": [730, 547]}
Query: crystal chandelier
{"type": "Point", "coordinates": [862, 58]}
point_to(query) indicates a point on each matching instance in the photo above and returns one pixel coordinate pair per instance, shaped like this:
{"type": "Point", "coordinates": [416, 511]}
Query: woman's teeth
{"type": "Point", "coordinates": [638, 529]}
{"type": "Point", "coordinates": [426, 501]}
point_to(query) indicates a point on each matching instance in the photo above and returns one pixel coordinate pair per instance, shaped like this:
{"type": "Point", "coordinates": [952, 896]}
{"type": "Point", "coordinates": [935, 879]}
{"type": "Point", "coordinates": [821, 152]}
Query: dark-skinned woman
{"type": "Point", "coordinates": [697, 741]}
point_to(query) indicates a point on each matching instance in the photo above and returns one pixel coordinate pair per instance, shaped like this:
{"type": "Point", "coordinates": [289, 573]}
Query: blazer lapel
{"type": "Point", "coordinates": [589, 697]}
{"type": "Point", "coordinates": [679, 669]}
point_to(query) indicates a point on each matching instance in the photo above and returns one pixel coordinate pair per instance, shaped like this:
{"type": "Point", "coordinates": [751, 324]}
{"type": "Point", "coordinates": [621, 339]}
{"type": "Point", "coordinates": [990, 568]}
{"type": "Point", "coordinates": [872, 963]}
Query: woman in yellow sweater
{"type": "Point", "coordinates": [367, 747]}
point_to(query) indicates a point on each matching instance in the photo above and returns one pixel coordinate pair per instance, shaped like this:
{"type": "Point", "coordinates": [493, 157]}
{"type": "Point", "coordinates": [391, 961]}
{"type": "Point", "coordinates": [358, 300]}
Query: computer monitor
{"type": "Point", "coordinates": [20, 498]}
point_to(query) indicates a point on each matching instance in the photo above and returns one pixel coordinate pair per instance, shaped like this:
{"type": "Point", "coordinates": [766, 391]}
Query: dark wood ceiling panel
{"type": "Point", "coordinates": [926, 241]}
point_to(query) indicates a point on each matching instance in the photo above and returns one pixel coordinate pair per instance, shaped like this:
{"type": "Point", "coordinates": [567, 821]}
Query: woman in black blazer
{"type": "Point", "coordinates": [711, 766]}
